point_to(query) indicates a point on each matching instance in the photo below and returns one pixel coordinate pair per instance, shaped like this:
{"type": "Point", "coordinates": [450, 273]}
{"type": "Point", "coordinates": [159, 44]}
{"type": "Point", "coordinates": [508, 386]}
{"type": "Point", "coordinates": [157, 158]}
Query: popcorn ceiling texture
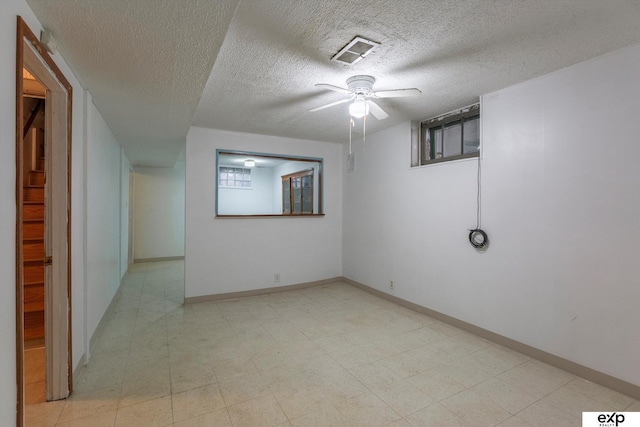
{"type": "Point", "coordinates": [147, 62]}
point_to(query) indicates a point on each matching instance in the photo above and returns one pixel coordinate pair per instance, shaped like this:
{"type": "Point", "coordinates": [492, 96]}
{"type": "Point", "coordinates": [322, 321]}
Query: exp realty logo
{"type": "Point", "coordinates": [611, 419]}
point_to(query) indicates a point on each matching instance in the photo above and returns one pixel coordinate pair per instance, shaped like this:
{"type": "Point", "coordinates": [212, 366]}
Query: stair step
{"type": "Point", "coordinates": [33, 230]}
{"type": "Point", "coordinates": [33, 211]}
{"type": "Point", "coordinates": [36, 177]}
{"type": "Point", "coordinates": [33, 251]}
{"type": "Point", "coordinates": [34, 292]}
{"type": "Point", "coordinates": [33, 307]}
{"type": "Point", "coordinates": [34, 325]}
{"type": "Point", "coordinates": [33, 273]}
{"type": "Point", "coordinates": [33, 193]}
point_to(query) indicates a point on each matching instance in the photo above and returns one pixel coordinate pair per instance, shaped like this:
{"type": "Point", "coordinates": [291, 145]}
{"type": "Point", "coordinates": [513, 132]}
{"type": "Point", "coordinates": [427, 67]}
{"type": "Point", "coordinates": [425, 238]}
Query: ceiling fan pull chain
{"type": "Point", "coordinates": [351, 124]}
{"type": "Point", "coordinates": [364, 132]}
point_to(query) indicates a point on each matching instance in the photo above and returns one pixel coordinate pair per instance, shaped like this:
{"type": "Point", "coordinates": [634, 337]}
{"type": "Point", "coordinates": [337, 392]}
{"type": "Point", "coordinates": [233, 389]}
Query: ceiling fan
{"type": "Point", "coordinates": [360, 91]}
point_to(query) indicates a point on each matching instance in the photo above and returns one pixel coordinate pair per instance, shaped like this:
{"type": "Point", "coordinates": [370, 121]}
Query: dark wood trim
{"type": "Point", "coordinates": [24, 33]}
{"type": "Point", "coordinates": [21, 27]}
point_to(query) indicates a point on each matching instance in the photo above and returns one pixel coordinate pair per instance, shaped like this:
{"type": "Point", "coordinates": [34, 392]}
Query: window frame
{"type": "Point", "coordinates": [426, 127]}
{"type": "Point", "coordinates": [290, 177]}
{"type": "Point", "coordinates": [320, 182]}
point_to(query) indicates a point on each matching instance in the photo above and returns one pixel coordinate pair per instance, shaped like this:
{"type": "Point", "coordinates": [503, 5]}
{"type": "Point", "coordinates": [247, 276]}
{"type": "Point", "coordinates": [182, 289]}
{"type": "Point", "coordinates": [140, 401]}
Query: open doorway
{"type": "Point", "coordinates": [43, 220]}
{"type": "Point", "coordinates": [33, 239]}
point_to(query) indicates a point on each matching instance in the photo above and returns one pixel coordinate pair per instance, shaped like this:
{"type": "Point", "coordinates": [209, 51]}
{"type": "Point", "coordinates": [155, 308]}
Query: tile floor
{"type": "Point", "coordinates": [326, 356]}
{"type": "Point", "coordinates": [34, 369]}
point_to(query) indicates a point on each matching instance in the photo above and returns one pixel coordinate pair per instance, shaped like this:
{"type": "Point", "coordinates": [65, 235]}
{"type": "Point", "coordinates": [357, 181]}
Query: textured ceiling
{"type": "Point", "coordinates": [146, 62]}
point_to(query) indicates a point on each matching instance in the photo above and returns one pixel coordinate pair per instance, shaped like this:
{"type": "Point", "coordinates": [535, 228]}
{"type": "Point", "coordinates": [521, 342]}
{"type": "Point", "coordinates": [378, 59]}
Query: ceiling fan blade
{"type": "Point", "coordinates": [397, 93]}
{"type": "Point", "coordinates": [334, 88]}
{"type": "Point", "coordinates": [377, 112]}
{"type": "Point", "coordinates": [322, 107]}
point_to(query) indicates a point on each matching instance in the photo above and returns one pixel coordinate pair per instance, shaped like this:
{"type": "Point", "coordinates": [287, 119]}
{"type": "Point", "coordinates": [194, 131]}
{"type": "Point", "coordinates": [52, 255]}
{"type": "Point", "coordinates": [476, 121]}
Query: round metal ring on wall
{"type": "Point", "coordinates": [478, 238]}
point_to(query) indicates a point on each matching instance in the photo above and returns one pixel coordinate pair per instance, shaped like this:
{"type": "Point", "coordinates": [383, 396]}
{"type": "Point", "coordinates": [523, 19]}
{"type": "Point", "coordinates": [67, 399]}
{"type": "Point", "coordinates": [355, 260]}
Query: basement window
{"type": "Point", "coordinates": [451, 136]}
{"type": "Point", "coordinates": [232, 177]}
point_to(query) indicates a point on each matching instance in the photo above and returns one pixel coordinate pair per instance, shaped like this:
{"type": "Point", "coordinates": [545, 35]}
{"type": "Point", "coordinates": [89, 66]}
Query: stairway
{"type": "Point", "coordinates": [33, 252]}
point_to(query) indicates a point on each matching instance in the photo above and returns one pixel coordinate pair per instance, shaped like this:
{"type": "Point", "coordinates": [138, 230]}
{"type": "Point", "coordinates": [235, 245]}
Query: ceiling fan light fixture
{"type": "Point", "coordinates": [359, 108]}
{"type": "Point", "coordinates": [249, 163]}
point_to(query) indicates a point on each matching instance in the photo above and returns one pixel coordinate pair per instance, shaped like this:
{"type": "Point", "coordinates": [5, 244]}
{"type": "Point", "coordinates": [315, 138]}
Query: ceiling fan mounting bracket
{"type": "Point", "coordinates": [361, 84]}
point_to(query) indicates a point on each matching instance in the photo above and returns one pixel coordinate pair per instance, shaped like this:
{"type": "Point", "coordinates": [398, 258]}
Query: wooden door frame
{"type": "Point", "coordinates": [57, 324]}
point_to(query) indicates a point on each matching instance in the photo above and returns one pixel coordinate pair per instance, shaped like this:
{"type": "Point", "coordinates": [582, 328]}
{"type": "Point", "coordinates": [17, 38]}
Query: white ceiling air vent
{"type": "Point", "coordinates": [355, 50]}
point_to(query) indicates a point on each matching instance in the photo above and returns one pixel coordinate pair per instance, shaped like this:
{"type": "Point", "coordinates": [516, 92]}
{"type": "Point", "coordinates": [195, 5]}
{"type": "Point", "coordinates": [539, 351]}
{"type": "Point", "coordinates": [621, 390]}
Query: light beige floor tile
{"type": "Point", "coordinates": [400, 423]}
{"type": "Point", "coordinates": [271, 360]}
{"type": "Point", "coordinates": [475, 409]}
{"type": "Point", "coordinates": [634, 407]}
{"type": "Point", "coordinates": [244, 387]}
{"type": "Point", "coordinates": [151, 413]}
{"type": "Point", "coordinates": [514, 422]}
{"type": "Point", "coordinates": [544, 414]}
{"type": "Point", "coordinates": [333, 343]}
{"type": "Point", "coordinates": [219, 418]}
{"type": "Point", "coordinates": [187, 376]}
{"type": "Point", "coordinates": [298, 402]}
{"type": "Point", "coordinates": [326, 417]}
{"type": "Point", "coordinates": [264, 411]}
{"type": "Point", "coordinates": [438, 383]}
{"type": "Point", "coordinates": [375, 375]}
{"type": "Point", "coordinates": [303, 350]}
{"type": "Point", "coordinates": [196, 402]}
{"type": "Point", "coordinates": [507, 397]}
{"type": "Point", "coordinates": [404, 365]}
{"type": "Point", "coordinates": [144, 389]}
{"type": "Point", "coordinates": [102, 419]}
{"type": "Point", "coordinates": [610, 399]}
{"type": "Point", "coordinates": [269, 357]}
{"type": "Point", "coordinates": [455, 347]}
{"type": "Point", "coordinates": [82, 405]}
{"type": "Point", "coordinates": [367, 410]}
{"type": "Point", "coordinates": [403, 397]}
{"type": "Point", "coordinates": [496, 359]}
{"type": "Point", "coordinates": [573, 402]}
{"type": "Point", "coordinates": [536, 378]}
{"type": "Point", "coordinates": [229, 368]}
{"type": "Point", "coordinates": [92, 380]}
{"type": "Point", "coordinates": [340, 386]}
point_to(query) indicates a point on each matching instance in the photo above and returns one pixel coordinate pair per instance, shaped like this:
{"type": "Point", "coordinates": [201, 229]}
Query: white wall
{"type": "Point", "coordinates": [560, 205]}
{"type": "Point", "coordinates": [230, 255]}
{"type": "Point", "coordinates": [125, 167]}
{"type": "Point", "coordinates": [159, 212]}
{"type": "Point", "coordinates": [243, 201]}
{"type": "Point", "coordinates": [103, 217]}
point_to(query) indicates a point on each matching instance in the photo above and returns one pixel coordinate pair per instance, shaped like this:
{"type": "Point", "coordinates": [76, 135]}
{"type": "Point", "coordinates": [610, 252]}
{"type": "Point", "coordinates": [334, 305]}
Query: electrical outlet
{"type": "Point", "coordinates": [276, 277]}
{"type": "Point", "coordinates": [391, 285]}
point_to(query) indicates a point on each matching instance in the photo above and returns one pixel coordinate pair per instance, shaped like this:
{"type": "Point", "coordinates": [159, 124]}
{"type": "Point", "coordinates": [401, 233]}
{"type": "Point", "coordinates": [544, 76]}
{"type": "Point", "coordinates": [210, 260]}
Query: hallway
{"type": "Point", "coordinates": [325, 356]}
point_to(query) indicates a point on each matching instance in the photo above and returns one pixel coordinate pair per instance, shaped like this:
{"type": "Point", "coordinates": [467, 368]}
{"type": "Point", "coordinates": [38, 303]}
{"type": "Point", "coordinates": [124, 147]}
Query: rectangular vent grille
{"type": "Point", "coordinates": [356, 50]}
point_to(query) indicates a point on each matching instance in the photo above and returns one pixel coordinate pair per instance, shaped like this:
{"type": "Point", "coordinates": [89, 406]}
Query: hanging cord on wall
{"type": "Point", "coordinates": [351, 124]}
{"type": "Point", "coordinates": [477, 237]}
